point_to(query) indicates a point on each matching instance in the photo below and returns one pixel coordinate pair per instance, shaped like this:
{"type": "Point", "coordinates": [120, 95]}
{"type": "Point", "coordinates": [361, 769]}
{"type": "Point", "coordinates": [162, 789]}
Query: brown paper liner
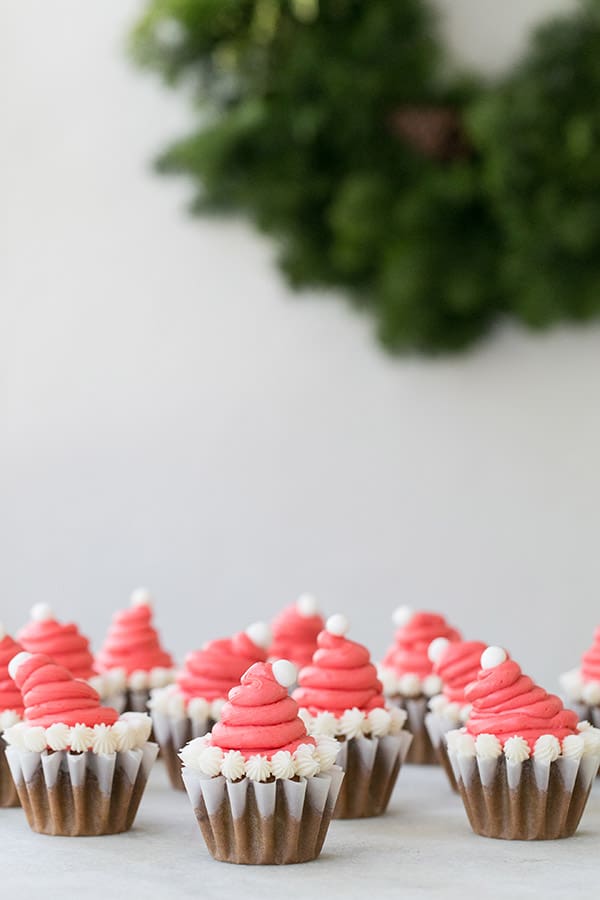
{"type": "Point", "coordinates": [421, 752]}
{"type": "Point", "coordinates": [8, 791]}
{"type": "Point", "coordinates": [524, 813]}
{"type": "Point", "coordinates": [254, 839]}
{"type": "Point", "coordinates": [170, 754]}
{"type": "Point", "coordinates": [365, 792]}
{"type": "Point", "coordinates": [81, 811]}
{"type": "Point", "coordinates": [444, 761]}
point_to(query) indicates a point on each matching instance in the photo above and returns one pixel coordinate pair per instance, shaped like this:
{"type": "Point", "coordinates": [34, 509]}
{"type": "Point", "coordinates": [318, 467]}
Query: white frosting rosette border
{"type": "Point", "coordinates": [113, 685]}
{"type": "Point", "coordinates": [130, 732]}
{"type": "Point", "coordinates": [577, 755]}
{"type": "Point", "coordinates": [409, 685]}
{"type": "Point", "coordinates": [443, 716]}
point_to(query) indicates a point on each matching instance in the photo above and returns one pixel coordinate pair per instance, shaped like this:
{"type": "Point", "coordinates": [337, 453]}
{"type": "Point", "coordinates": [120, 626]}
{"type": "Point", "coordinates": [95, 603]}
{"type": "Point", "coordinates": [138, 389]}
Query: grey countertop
{"type": "Point", "coordinates": [423, 847]}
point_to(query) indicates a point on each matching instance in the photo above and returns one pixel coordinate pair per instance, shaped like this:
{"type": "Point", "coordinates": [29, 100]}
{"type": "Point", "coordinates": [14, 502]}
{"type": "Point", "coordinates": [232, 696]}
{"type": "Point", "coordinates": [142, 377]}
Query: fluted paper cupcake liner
{"type": "Point", "coordinates": [371, 766]}
{"type": "Point", "coordinates": [80, 794]}
{"type": "Point", "coordinates": [272, 823]}
{"type": "Point", "coordinates": [437, 726]}
{"type": "Point", "coordinates": [8, 791]}
{"type": "Point", "coordinates": [526, 801]}
{"type": "Point", "coordinates": [171, 735]}
{"type": "Point", "coordinates": [421, 751]}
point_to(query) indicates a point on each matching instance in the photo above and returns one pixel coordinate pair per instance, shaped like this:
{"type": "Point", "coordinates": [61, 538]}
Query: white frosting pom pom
{"type": "Point", "coordinates": [307, 605]}
{"type": "Point", "coordinates": [436, 648]}
{"type": "Point", "coordinates": [141, 597]}
{"type": "Point", "coordinates": [337, 624]}
{"type": "Point", "coordinates": [285, 672]}
{"type": "Point", "coordinates": [402, 616]}
{"type": "Point", "coordinates": [17, 661]}
{"type": "Point", "coordinates": [41, 612]}
{"type": "Point", "coordinates": [492, 657]}
{"type": "Point", "coordinates": [260, 634]}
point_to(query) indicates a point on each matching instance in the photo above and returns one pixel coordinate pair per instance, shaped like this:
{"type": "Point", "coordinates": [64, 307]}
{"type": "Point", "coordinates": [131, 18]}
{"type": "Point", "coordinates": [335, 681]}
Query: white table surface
{"type": "Point", "coordinates": [423, 847]}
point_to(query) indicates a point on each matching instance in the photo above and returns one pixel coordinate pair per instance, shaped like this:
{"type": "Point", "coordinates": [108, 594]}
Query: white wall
{"type": "Point", "coordinates": [171, 415]}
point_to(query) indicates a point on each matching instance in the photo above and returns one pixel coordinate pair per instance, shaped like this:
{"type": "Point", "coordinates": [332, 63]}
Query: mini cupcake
{"type": "Point", "coordinates": [581, 686]}
{"type": "Point", "coordinates": [407, 674]}
{"type": "Point", "coordinates": [262, 789]}
{"type": "Point", "coordinates": [295, 631]}
{"type": "Point", "coordinates": [457, 664]}
{"type": "Point", "coordinates": [190, 707]}
{"type": "Point", "coordinates": [523, 764]}
{"type": "Point", "coordinates": [132, 659]}
{"type": "Point", "coordinates": [78, 768]}
{"type": "Point", "coordinates": [11, 712]}
{"type": "Point", "coordinates": [340, 696]}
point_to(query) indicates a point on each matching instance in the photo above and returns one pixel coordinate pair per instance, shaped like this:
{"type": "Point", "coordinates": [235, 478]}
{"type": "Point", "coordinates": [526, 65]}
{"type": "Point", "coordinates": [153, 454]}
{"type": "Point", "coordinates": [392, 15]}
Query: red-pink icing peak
{"type": "Point", "coordinates": [340, 677]}
{"type": "Point", "coordinates": [62, 641]}
{"type": "Point", "coordinates": [10, 695]}
{"type": "Point", "coordinates": [260, 718]}
{"type": "Point", "coordinates": [506, 703]}
{"type": "Point", "coordinates": [295, 632]}
{"type": "Point", "coordinates": [458, 665]}
{"type": "Point", "coordinates": [590, 661]}
{"type": "Point", "coordinates": [51, 694]}
{"type": "Point", "coordinates": [132, 643]}
{"type": "Point", "coordinates": [408, 654]}
{"type": "Point", "coordinates": [215, 669]}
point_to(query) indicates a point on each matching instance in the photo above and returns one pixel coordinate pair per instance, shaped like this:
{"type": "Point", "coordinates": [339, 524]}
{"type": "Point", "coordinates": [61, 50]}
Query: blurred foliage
{"type": "Point", "coordinates": [314, 117]}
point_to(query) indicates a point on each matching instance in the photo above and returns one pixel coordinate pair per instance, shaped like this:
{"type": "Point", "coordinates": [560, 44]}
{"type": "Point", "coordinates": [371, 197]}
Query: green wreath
{"type": "Point", "coordinates": [440, 204]}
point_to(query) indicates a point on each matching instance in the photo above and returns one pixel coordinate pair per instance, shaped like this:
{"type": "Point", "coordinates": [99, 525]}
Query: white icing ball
{"type": "Point", "coordinates": [141, 597]}
{"type": "Point", "coordinates": [402, 616]}
{"type": "Point", "coordinates": [41, 612]}
{"type": "Point", "coordinates": [337, 624]}
{"type": "Point", "coordinates": [2, 632]}
{"type": "Point", "coordinates": [492, 657]}
{"type": "Point", "coordinates": [260, 634]}
{"type": "Point", "coordinates": [285, 672]}
{"type": "Point", "coordinates": [17, 661]}
{"type": "Point", "coordinates": [307, 605]}
{"type": "Point", "coordinates": [436, 648]}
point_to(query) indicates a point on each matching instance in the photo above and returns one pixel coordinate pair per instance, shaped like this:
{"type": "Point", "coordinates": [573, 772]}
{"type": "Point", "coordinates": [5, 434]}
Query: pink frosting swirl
{"type": "Point", "coordinates": [51, 694]}
{"type": "Point", "coordinates": [295, 635]}
{"type": "Point", "coordinates": [341, 677]}
{"type": "Point", "coordinates": [215, 669]}
{"type": "Point", "coordinates": [590, 661]}
{"type": "Point", "coordinates": [10, 695]}
{"type": "Point", "coordinates": [408, 654]}
{"type": "Point", "coordinates": [260, 717]}
{"type": "Point", "coordinates": [63, 642]}
{"type": "Point", "coordinates": [505, 703]}
{"type": "Point", "coordinates": [458, 666]}
{"type": "Point", "coordinates": [132, 643]}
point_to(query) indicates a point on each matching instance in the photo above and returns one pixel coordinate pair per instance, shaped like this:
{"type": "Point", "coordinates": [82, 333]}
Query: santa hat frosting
{"type": "Point", "coordinates": [341, 675]}
{"type": "Point", "coordinates": [51, 695]}
{"type": "Point", "coordinates": [506, 703]}
{"type": "Point", "coordinates": [217, 667]}
{"type": "Point", "coordinates": [61, 641]}
{"type": "Point", "coordinates": [132, 643]}
{"type": "Point", "coordinates": [260, 718]}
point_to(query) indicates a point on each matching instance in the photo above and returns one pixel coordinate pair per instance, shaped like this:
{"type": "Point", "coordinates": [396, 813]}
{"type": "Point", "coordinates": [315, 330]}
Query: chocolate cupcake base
{"type": "Point", "coordinates": [421, 751]}
{"type": "Point", "coordinates": [173, 734]}
{"type": "Point", "coordinates": [372, 766]}
{"type": "Point", "coordinates": [8, 791]}
{"type": "Point", "coordinates": [81, 794]}
{"type": "Point", "coordinates": [437, 726]}
{"type": "Point", "coordinates": [273, 823]}
{"type": "Point", "coordinates": [527, 801]}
